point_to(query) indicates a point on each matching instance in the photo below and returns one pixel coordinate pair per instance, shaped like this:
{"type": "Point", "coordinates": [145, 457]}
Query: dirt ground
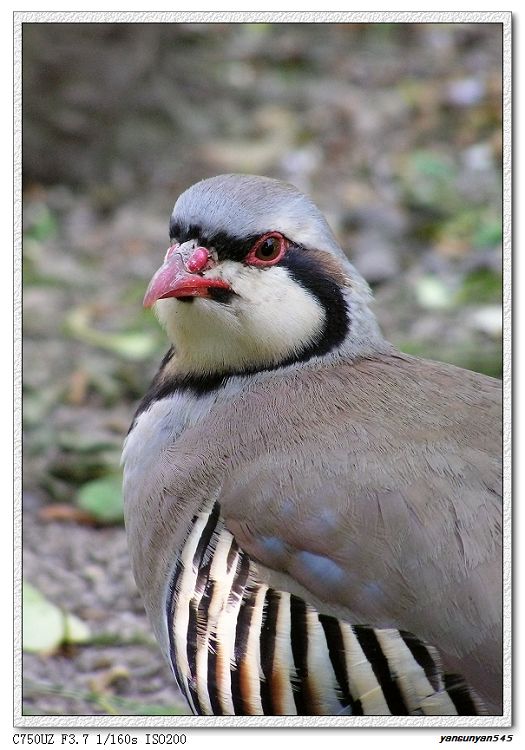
{"type": "Point", "coordinates": [395, 131]}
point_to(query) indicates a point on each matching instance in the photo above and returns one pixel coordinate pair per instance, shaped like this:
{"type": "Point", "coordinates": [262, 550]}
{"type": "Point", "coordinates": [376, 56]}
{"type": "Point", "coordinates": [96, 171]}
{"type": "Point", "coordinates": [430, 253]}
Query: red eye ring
{"type": "Point", "coordinates": [268, 250]}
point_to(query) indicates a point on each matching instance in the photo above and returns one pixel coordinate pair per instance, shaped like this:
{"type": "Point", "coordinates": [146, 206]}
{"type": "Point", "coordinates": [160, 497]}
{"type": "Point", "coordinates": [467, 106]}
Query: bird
{"type": "Point", "coordinates": [314, 518]}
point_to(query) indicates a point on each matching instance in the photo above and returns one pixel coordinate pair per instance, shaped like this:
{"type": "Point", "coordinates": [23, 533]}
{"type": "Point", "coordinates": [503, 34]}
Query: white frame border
{"type": "Point", "coordinates": [504, 18]}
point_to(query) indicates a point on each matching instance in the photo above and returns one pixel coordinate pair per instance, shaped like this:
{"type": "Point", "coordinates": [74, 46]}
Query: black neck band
{"type": "Point", "coordinates": [305, 271]}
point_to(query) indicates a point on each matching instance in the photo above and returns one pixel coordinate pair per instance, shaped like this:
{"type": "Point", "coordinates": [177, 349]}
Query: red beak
{"type": "Point", "coordinates": [173, 279]}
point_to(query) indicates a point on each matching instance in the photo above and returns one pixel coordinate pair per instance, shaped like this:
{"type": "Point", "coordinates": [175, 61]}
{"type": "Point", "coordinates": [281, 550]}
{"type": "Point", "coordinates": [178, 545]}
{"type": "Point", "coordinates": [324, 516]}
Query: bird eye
{"type": "Point", "coordinates": [268, 250]}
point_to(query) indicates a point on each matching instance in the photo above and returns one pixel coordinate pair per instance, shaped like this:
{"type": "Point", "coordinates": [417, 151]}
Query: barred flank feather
{"type": "Point", "coordinates": [240, 648]}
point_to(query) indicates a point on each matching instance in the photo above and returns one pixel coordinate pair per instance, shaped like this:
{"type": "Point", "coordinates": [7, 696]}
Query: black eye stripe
{"type": "Point", "coordinates": [226, 246]}
{"type": "Point", "coordinates": [305, 270]}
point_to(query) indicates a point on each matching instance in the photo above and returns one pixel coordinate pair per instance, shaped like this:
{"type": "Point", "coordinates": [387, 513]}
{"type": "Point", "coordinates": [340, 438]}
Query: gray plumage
{"type": "Point", "coordinates": [365, 482]}
{"type": "Point", "coordinates": [225, 204]}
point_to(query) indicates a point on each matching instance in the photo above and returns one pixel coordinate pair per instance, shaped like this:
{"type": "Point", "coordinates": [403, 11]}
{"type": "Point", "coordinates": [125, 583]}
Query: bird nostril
{"type": "Point", "coordinates": [197, 260]}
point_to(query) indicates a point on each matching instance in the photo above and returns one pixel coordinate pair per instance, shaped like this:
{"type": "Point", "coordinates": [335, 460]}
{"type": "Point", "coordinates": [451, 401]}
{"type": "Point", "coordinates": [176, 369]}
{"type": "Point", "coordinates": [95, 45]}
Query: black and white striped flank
{"type": "Point", "coordinates": [238, 647]}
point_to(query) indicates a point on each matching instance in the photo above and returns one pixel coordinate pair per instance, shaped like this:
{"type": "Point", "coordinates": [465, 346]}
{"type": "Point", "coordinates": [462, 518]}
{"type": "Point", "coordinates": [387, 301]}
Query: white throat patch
{"type": "Point", "coordinates": [271, 318]}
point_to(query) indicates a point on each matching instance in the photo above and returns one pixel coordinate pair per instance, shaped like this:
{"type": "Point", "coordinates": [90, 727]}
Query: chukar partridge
{"type": "Point", "coordinates": [314, 518]}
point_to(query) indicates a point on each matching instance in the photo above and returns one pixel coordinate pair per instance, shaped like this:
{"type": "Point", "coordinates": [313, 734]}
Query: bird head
{"type": "Point", "coordinates": [254, 279]}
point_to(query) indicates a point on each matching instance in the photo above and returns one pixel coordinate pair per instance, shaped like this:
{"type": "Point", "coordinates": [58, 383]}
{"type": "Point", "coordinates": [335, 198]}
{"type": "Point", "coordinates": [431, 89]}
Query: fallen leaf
{"type": "Point", "coordinates": [66, 512]}
{"type": "Point", "coordinates": [102, 498]}
{"type": "Point", "coordinates": [46, 627]}
{"type": "Point", "coordinates": [43, 623]}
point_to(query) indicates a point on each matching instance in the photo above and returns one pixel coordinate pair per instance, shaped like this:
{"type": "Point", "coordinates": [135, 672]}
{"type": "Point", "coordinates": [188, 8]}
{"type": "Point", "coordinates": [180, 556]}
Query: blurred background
{"type": "Point", "coordinates": [395, 131]}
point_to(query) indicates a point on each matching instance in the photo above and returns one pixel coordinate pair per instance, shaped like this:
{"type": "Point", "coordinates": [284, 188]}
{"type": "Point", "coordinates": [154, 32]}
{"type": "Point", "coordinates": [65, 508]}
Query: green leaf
{"type": "Point", "coordinates": [473, 227]}
{"type": "Point", "coordinates": [481, 286]}
{"type": "Point", "coordinates": [46, 626]}
{"type": "Point", "coordinates": [75, 630]}
{"type": "Point", "coordinates": [87, 442]}
{"type": "Point", "coordinates": [489, 233]}
{"type": "Point", "coordinates": [428, 180]}
{"type": "Point", "coordinates": [433, 294]}
{"type": "Point", "coordinates": [102, 498]}
{"type": "Point", "coordinates": [132, 345]}
{"type": "Point", "coordinates": [43, 226]}
{"type": "Point", "coordinates": [432, 164]}
{"type": "Point", "coordinates": [38, 402]}
{"type": "Point", "coordinates": [43, 623]}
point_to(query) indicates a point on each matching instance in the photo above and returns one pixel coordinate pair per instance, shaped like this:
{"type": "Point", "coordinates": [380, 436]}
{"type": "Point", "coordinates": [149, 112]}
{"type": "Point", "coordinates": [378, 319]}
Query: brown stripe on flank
{"type": "Point", "coordinates": [249, 679]}
{"type": "Point", "coordinates": [242, 676]}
